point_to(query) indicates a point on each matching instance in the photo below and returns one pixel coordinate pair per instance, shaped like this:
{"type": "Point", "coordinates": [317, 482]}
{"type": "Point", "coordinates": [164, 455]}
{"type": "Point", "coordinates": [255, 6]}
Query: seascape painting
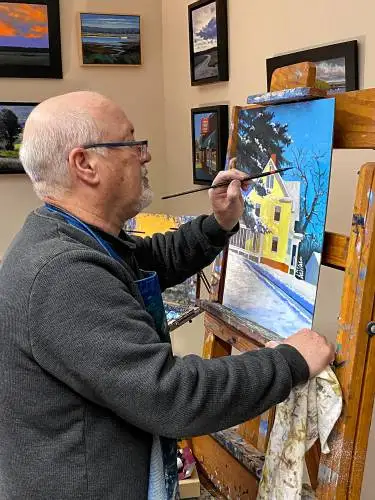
{"type": "Point", "coordinates": [180, 299]}
{"type": "Point", "coordinates": [274, 260]}
{"type": "Point", "coordinates": [204, 27]}
{"type": "Point", "coordinates": [12, 121]}
{"type": "Point", "coordinates": [110, 39]}
{"type": "Point", "coordinates": [24, 39]}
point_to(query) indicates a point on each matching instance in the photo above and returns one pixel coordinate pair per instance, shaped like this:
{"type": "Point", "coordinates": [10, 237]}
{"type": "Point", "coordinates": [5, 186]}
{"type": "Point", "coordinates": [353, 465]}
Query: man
{"type": "Point", "coordinates": [92, 398]}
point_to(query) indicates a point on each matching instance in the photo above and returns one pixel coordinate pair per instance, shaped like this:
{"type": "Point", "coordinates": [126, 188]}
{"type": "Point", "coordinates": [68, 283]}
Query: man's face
{"type": "Point", "coordinates": [125, 169]}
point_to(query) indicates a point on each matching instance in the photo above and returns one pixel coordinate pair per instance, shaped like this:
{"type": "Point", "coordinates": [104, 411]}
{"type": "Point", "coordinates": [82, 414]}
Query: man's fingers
{"type": "Point", "coordinates": [234, 190]}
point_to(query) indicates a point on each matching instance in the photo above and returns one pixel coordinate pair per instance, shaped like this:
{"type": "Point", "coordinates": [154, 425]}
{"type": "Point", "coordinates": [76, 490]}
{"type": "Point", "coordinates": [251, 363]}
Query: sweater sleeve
{"type": "Point", "coordinates": [177, 255]}
{"type": "Point", "coordinates": [90, 333]}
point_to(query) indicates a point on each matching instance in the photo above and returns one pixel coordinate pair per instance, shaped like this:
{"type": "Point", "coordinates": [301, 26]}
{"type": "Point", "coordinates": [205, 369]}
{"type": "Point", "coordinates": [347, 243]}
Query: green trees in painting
{"type": "Point", "coordinates": [10, 130]}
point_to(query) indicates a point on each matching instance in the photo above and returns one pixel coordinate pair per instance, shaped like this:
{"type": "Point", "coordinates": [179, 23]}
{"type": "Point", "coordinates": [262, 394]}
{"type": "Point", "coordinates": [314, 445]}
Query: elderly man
{"type": "Point", "coordinates": [92, 398]}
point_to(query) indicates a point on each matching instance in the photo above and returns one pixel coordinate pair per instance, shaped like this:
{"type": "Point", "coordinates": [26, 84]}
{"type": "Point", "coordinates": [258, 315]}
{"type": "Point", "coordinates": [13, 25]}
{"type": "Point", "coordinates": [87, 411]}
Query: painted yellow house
{"type": "Point", "coordinates": [279, 211]}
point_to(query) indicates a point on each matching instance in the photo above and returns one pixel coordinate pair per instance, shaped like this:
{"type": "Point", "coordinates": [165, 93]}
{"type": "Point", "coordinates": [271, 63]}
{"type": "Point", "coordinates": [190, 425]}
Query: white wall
{"type": "Point", "coordinates": [138, 89]}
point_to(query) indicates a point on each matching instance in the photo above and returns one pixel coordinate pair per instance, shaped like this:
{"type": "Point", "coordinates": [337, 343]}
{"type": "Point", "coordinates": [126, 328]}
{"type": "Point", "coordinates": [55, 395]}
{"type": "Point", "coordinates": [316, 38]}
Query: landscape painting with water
{"type": "Point", "coordinates": [274, 260]}
{"type": "Point", "coordinates": [179, 301]}
{"type": "Point", "coordinates": [12, 121]}
{"type": "Point", "coordinates": [110, 39]}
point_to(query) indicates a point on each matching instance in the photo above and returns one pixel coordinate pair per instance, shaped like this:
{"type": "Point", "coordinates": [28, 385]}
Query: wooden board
{"type": "Point", "coordinates": [292, 76]}
{"type": "Point", "coordinates": [355, 120]}
{"type": "Point", "coordinates": [230, 477]}
{"type": "Point", "coordinates": [287, 96]}
{"type": "Point", "coordinates": [352, 344]}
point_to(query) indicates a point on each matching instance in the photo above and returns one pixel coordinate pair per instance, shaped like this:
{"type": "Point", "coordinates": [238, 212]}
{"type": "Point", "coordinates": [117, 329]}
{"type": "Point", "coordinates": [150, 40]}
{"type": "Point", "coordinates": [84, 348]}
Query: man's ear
{"type": "Point", "coordinates": [83, 166]}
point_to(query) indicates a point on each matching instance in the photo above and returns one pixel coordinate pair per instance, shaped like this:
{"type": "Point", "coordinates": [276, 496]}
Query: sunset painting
{"type": "Point", "coordinates": [24, 36]}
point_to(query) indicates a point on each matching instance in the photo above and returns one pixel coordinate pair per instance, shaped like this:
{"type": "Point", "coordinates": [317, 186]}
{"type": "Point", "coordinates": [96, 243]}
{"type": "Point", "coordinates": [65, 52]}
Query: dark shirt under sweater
{"type": "Point", "coordinates": [85, 380]}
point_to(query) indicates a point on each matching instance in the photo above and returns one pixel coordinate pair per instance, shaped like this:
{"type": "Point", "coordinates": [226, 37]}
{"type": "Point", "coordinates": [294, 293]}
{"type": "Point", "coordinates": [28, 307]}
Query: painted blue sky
{"type": "Point", "coordinates": [197, 122]}
{"type": "Point", "coordinates": [109, 21]}
{"type": "Point", "coordinates": [310, 125]}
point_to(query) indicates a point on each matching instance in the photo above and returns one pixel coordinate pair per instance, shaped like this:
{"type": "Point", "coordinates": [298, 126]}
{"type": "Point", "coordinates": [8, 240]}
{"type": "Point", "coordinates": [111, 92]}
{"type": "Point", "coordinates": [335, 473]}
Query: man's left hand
{"type": "Point", "coordinates": [227, 202]}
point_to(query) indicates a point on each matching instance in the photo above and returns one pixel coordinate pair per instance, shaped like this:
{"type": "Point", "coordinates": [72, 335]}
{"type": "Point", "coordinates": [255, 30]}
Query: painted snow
{"type": "Point", "coordinates": [274, 260]}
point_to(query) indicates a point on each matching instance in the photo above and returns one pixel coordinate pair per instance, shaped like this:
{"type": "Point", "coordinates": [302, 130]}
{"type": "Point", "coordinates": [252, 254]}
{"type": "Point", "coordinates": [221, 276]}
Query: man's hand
{"type": "Point", "coordinates": [227, 202]}
{"type": "Point", "coordinates": [315, 348]}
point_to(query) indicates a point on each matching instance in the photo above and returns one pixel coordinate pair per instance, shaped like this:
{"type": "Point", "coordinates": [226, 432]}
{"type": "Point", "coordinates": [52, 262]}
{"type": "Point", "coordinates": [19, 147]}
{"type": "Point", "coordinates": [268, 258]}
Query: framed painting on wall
{"type": "Point", "coordinates": [13, 116]}
{"type": "Point", "coordinates": [109, 39]}
{"type": "Point", "coordinates": [273, 263]}
{"type": "Point", "coordinates": [208, 38]}
{"type": "Point", "coordinates": [209, 127]}
{"type": "Point", "coordinates": [30, 45]}
{"type": "Point", "coordinates": [336, 65]}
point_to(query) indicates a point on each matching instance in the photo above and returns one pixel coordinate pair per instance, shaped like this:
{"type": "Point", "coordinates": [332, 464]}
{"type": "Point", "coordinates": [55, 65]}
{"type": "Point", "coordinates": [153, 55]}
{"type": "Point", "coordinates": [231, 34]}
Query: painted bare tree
{"type": "Point", "coordinates": [311, 167]}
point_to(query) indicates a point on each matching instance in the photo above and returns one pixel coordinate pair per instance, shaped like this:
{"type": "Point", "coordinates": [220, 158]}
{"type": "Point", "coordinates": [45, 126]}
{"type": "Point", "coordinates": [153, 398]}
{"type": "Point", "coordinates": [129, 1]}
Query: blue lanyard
{"type": "Point", "coordinates": [74, 221]}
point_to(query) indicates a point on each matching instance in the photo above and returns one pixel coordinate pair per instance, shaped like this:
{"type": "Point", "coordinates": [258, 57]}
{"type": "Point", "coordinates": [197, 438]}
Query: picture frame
{"type": "Point", "coordinates": [13, 116]}
{"type": "Point", "coordinates": [34, 48]}
{"type": "Point", "coordinates": [210, 131]}
{"type": "Point", "coordinates": [119, 45]}
{"type": "Point", "coordinates": [208, 41]}
{"type": "Point", "coordinates": [337, 65]}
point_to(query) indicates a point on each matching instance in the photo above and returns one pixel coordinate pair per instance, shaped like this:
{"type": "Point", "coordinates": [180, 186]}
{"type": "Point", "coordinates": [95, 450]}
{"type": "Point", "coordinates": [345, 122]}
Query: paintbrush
{"type": "Point", "coordinates": [226, 183]}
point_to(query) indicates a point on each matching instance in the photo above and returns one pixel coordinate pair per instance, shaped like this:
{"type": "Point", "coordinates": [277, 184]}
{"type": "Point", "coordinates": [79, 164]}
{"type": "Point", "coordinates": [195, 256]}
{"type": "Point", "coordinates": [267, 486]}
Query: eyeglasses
{"type": "Point", "coordinates": [140, 147]}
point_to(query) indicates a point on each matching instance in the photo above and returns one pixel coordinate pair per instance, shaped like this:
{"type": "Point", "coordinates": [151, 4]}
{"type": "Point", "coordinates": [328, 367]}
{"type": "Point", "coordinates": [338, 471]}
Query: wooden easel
{"type": "Point", "coordinates": [233, 459]}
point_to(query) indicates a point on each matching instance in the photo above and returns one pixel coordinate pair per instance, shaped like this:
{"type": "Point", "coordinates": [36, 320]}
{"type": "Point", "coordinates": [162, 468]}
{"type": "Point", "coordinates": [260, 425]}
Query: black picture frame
{"type": "Point", "coordinates": [217, 135]}
{"type": "Point", "coordinates": [338, 51]}
{"type": "Point", "coordinates": [12, 164]}
{"type": "Point", "coordinates": [220, 52]}
{"type": "Point", "coordinates": [54, 67]}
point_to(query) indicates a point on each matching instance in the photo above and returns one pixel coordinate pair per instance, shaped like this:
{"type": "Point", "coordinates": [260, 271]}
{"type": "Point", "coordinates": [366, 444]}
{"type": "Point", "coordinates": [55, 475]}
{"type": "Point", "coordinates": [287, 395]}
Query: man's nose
{"type": "Point", "coordinates": [146, 158]}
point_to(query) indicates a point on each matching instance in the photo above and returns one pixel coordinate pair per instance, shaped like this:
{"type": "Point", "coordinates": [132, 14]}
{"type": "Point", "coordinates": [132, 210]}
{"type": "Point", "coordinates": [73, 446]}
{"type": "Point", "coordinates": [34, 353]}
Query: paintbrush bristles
{"type": "Point", "coordinates": [226, 183]}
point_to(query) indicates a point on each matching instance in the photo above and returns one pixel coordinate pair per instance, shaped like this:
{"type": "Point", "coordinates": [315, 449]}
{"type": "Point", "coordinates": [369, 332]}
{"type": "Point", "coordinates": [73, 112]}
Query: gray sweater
{"type": "Point", "coordinates": [85, 380]}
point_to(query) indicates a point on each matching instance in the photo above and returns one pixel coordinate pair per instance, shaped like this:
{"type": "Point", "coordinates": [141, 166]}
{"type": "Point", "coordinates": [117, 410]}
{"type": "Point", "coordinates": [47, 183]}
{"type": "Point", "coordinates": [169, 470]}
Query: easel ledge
{"type": "Point", "coordinates": [337, 475]}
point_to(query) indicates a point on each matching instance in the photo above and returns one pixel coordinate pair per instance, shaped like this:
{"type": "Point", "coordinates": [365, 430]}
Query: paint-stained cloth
{"type": "Point", "coordinates": [309, 413]}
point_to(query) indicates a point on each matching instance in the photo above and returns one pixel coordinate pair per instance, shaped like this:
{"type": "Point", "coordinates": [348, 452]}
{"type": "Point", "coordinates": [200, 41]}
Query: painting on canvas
{"type": "Point", "coordinates": [208, 34]}
{"type": "Point", "coordinates": [110, 39]}
{"type": "Point", "coordinates": [30, 39]}
{"type": "Point", "coordinates": [13, 116]}
{"type": "Point", "coordinates": [209, 141]}
{"type": "Point", "coordinates": [180, 299]}
{"type": "Point", "coordinates": [274, 260]}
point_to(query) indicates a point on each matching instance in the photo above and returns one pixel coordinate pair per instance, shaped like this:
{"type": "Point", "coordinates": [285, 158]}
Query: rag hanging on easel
{"type": "Point", "coordinates": [309, 413]}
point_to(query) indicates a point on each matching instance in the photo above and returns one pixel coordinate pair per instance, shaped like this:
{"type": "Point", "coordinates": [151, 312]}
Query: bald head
{"type": "Point", "coordinates": [58, 125]}
{"type": "Point", "coordinates": [99, 107]}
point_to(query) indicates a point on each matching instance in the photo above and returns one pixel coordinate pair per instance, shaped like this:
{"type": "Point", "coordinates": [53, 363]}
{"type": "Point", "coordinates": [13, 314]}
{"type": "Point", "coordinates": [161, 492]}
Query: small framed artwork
{"type": "Point", "coordinates": [13, 116]}
{"type": "Point", "coordinates": [109, 39]}
{"type": "Point", "coordinates": [208, 35]}
{"type": "Point", "coordinates": [336, 65]}
{"type": "Point", "coordinates": [209, 142]}
{"type": "Point", "coordinates": [30, 45]}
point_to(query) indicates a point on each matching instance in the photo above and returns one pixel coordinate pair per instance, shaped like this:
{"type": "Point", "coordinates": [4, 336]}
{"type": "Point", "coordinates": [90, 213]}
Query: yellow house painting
{"type": "Point", "coordinates": [279, 211]}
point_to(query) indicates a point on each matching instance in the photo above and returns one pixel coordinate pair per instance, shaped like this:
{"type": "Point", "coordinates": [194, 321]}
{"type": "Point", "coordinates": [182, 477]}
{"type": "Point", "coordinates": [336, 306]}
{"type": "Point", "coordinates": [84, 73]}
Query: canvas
{"type": "Point", "coordinates": [208, 33]}
{"type": "Point", "coordinates": [13, 116]}
{"type": "Point", "coordinates": [273, 263]}
{"type": "Point", "coordinates": [110, 39]}
{"type": "Point", "coordinates": [30, 39]}
{"type": "Point", "coordinates": [179, 301]}
{"type": "Point", "coordinates": [209, 142]}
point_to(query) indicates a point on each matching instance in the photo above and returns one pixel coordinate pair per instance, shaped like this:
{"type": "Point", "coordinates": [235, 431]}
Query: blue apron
{"type": "Point", "coordinates": [149, 288]}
